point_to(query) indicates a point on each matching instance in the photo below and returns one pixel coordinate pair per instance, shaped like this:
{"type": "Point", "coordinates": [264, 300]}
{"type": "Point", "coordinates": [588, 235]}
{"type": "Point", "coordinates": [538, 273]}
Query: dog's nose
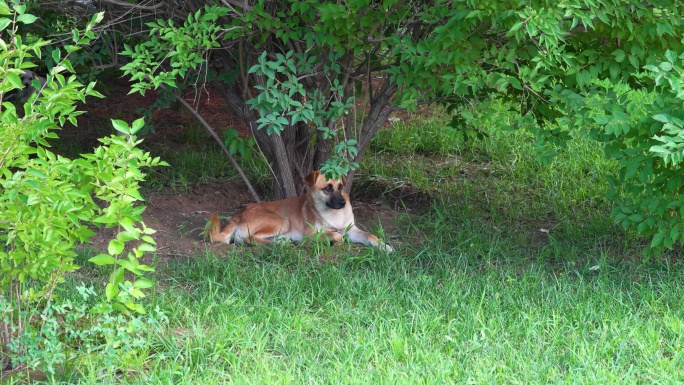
{"type": "Point", "coordinates": [337, 202]}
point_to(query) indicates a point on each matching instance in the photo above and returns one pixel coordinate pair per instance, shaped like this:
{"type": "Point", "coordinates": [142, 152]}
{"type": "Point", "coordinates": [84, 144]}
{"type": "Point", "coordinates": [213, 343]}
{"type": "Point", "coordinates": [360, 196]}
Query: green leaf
{"type": "Point", "coordinates": [115, 247]}
{"type": "Point", "coordinates": [137, 125]}
{"type": "Point", "coordinates": [112, 288]}
{"type": "Point", "coordinates": [143, 283]}
{"type": "Point", "coordinates": [516, 27]}
{"type": "Point", "coordinates": [98, 17]}
{"type": "Point", "coordinates": [117, 276]}
{"type": "Point", "coordinates": [128, 265]}
{"type": "Point", "coordinates": [632, 167]}
{"type": "Point", "coordinates": [4, 22]}
{"type": "Point", "coordinates": [111, 291]}
{"type": "Point", "coordinates": [27, 18]}
{"type": "Point", "coordinates": [663, 118]}
{"type": "Point", "coordinates": [671, 56]}
{"type": "Point", "coordinates": [138, 308]}
{"type": "Point", "coordinates": [15, 80]}
{"type": "Point", "coordinates": [232, 147]}
{"type": "Point", "coordinates": [103, 259]}
{"type": "Point", "coordinates": [121, 126]}
{"type": "Point", "coordinates": [230, 135]}
{"type": "Point", "coordinates": [636, 217]}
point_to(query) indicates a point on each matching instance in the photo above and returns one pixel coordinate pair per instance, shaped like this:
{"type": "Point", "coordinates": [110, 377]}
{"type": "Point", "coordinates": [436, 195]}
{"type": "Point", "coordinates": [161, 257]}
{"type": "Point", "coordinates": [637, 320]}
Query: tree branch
{"type": "Point", "coordinates": [136, 6]}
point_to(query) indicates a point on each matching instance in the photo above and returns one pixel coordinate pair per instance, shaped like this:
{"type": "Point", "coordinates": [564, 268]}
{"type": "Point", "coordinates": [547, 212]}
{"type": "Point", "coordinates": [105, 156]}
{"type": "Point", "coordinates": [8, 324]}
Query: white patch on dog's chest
{"type": "Point", "coordinates": [338, 220]}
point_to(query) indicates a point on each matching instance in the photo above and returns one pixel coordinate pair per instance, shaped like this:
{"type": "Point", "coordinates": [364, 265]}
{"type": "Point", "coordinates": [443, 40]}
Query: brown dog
{"type": "Point", "coordinates": [325, 208]}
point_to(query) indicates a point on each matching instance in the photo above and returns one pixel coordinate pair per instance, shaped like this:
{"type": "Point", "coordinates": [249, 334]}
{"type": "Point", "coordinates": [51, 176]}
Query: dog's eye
{"type": "Point", "coordinates": [329, 188]}
{"type": "Point", "coordinates": [340, 187]}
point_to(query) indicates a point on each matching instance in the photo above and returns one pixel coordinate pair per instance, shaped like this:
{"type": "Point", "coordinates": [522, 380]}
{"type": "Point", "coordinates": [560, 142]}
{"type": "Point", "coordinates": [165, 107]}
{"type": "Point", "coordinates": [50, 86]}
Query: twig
{"type": "Point", "coordinates": [136, 6]}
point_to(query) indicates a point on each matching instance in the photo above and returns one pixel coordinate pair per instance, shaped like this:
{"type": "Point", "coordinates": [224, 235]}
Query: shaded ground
{"type": "Point", "coordinates": [180, 217]}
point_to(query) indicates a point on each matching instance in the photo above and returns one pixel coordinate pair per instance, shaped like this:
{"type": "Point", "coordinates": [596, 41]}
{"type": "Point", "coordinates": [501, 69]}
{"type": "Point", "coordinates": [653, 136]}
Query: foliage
{"type": "Point", "coordinates": [643, 128]}
{"type": "Point", "coordinates": [73, 336]}
{"type": "Point", "coordinates": [279, 105]}
{"type": "Point", "coordinates": [48, 202]}
{"type": "Point", "coordinates": [183, 47]}
{"type": "Point", "coordinates": [568, 70]}
{"type": "Point", "coordinates": [237, 145]}
{"type": "Point", "coordinates": [304, 96]}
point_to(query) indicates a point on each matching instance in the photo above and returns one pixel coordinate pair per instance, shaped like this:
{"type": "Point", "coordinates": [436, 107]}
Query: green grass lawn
{"type": "Point", "coordinates": [433, 316]}
{"type": "Point", "coordinates": [476, 292]}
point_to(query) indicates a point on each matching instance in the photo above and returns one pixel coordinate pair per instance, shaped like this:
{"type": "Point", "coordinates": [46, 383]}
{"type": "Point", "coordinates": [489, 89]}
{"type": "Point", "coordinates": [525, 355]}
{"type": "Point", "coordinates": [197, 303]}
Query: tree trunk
{"type": "Point", "coordinates": [380, 110]}
{"type": "Point", "coordinates": [279, 150]}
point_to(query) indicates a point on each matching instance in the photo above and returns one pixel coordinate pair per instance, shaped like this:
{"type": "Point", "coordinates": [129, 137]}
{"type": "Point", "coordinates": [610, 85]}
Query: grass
{"type": "Point", "coordinates": [434, 316]}
{"type": "Point", "coordinates": [500, 182]}
{"type": "Point", "coordinates": [475, 294]}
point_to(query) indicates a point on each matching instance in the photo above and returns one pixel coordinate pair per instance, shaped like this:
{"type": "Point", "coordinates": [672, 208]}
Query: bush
{"type": "Point", "coordinates": [49, 203]}
{"type": "Point", "coordinates": [643, 129]}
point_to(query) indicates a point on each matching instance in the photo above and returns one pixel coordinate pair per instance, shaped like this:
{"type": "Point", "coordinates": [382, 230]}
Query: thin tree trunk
{"type": "Point", "coordinates": [379, 111]}
{"type": "Point", "coordinates": [274, 147]}
{"type": "Point", "coordinates": [5, 360]}
{"type": "Point", "coordinates": [283, 164]}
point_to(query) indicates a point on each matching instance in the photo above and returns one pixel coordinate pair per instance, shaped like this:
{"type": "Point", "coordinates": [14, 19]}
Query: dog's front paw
{"type": "Point", "coordinates": [386, 247]}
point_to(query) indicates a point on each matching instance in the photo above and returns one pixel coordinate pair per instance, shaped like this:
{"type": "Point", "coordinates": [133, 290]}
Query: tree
{"type": "Point", "coordinates": [324, 76]}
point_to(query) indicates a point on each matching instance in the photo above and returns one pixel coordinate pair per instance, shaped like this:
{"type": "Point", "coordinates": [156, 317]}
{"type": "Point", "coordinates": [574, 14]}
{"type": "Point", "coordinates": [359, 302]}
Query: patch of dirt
{"type": "Point", "coordinates": [181, 217]}
{"type": "Point", "coordinates": [403, 197]}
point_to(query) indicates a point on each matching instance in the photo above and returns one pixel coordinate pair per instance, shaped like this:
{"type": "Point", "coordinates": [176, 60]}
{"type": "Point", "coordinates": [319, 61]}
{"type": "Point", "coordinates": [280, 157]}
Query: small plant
{"type": "Point", "coordinates": [49, 203]}
{"type": "Point", "coordinates": [237, 145]}
{"type": "Point", "coordinates": [284, 101]}
{"type": "Point", "coordinates": [70, 334]}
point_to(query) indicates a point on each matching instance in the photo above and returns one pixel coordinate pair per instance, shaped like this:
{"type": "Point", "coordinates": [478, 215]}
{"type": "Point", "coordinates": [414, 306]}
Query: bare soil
{"type": "Point", "coordinates": [180, 217]}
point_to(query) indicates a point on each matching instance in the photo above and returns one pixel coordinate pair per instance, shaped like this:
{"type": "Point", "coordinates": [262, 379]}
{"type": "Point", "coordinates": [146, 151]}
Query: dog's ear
{"type": "Point", "coordinates": [344, 180]}
{"type": "Point", "coordinates": [310, 179]}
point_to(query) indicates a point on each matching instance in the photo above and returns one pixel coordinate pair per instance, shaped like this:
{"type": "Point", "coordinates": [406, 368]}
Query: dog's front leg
{"type": "Point", "coordinates": [333, 236]}
{"type": "Point", "coordinates": [356, 235]}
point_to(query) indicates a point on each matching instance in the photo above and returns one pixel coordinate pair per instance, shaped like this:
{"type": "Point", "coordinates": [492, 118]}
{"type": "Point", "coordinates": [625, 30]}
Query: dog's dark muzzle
{"type": "Point", "coordinates": [336, 201]}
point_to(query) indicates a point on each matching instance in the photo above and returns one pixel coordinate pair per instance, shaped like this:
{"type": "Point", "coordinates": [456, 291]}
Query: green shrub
{"type": "Point", "coordinates": [643, 129]}
{"type": "Point", "coordinates": [49, 203]}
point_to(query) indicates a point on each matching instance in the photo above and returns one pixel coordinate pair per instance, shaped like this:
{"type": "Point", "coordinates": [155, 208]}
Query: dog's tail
{"type": "Point", "coordinates": [215, 229]}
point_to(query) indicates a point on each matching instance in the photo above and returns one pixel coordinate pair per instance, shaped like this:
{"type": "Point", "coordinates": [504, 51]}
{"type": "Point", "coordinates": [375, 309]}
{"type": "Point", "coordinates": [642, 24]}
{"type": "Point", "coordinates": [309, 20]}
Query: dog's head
{"type": "Point", "coordinates": [27, 77]}
{"type": "Point", "coordinates": [330, 191]}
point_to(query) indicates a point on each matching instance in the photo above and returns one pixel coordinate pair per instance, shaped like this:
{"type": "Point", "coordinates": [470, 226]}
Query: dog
{"type": "Point", "coordinates": [324, 208]}
{"type": "Point", "coordinates": [22, 95]}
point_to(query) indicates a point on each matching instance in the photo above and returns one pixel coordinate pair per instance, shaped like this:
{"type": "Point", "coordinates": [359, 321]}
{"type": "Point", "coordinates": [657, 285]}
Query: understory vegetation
{"type": "Point", "coordinates": [508, 270]}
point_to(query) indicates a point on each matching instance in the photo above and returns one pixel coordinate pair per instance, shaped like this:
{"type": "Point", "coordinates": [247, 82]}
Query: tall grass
{"type": "Point", "coordinates": [500, 181]}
